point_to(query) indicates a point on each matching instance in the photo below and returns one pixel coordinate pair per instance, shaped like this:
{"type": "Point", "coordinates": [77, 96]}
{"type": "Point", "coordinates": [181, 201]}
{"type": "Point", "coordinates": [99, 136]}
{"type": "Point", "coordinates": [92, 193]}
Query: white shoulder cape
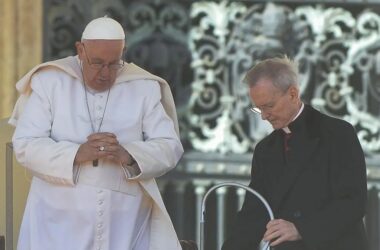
{"type": "Point", "coordinates": [71, 66]}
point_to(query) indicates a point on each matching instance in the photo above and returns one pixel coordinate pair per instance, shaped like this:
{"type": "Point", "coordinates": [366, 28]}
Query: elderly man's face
{"type": "Point", "coordinates": [100, 60]}
{"type": "Point", "coordinates": [277, 107]}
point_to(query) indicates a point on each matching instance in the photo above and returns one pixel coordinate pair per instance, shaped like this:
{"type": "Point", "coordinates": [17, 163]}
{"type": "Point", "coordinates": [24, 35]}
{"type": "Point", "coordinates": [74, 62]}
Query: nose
{"type": "Point", "coordinates": [105, 70]}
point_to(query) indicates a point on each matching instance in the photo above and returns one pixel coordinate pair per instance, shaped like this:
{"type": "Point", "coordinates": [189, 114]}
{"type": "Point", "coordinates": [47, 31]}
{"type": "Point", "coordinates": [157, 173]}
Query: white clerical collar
{"type": "Point", "coordinates": [286, 129]}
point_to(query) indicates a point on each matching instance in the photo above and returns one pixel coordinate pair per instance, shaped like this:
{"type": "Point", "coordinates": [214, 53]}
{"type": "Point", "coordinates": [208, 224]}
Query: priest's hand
{"type": "Point", "coordinates": [279, 231]}
{"type": "Point", "coordinates": [101, 145]}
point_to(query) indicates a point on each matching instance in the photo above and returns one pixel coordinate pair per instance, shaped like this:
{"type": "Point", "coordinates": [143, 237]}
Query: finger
{"type": "Point", "coordinates": [269, 236]}
{"type": "Point", "coordinates": [98, 144]}
{"type": "Point", "coordinates": [277, 241]}
{"type": "Point", "coordinates": [274, 223]}
{"type": "Point", "coordinates": [110, 150]}
{"type": "Point", "coordinates": [273, 227]}
{"type": "Point", "coordinates": [101, 154]}
{"type": "Point", "coordinates": [268, 232]}
{"type": "Point", "coordinates": [106, 140]}
{"type": "Point", "coordinates": [106, 148]}
{"type": "Point", "coordinates": [112, 157]}
{"type": "Point", "coordinates": [101, 135]}
{"type": "Point", "coordinates": [108, 156]}
{"type": "Point", "coordinates": [270, 223]}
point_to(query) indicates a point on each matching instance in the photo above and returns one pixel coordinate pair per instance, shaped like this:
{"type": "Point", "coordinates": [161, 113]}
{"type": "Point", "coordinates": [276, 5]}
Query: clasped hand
{"type": "Point", "coordinates": [102, 145]}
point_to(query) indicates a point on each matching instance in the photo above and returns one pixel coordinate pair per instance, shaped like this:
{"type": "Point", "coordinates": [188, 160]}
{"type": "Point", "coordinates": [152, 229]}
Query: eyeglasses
{"type": "Point", "coordinates": [267, 108]}
{"type": "Point", "coordinates": [100, 66]}
{"type": "Point", "coordinates": [255, 109]}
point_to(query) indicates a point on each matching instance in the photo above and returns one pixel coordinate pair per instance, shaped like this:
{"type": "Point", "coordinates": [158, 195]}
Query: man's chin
{"type": "Point", "coordinates": [276, 126]}
{"type": "Point", "coordinates": [102, 86]}
{"type": "Point", "coordinates": [273, 124]}
{"type": "Point", "coordinates": [102, 83]}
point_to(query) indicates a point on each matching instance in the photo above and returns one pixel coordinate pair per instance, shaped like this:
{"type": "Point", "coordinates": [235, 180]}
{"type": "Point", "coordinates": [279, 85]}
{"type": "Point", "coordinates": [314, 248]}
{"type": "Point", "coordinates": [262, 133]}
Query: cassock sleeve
{"type": "Point", "coordinates": [160, 149]}
{"type": "Point", "coordinates": [34, 148]}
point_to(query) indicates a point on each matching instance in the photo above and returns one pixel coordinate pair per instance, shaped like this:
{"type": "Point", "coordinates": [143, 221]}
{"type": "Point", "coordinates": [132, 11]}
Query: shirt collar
{"type": "Point", "coordinates": [286, 129]}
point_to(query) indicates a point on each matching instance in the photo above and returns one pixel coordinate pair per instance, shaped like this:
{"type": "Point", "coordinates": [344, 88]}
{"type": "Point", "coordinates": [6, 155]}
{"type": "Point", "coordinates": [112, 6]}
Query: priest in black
{"type": "Point", "coordinates": [310, 169]}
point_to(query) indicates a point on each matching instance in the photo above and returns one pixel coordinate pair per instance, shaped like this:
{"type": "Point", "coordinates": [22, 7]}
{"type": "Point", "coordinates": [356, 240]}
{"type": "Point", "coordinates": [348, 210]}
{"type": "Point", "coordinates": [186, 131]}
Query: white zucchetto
{"type": "Point", "coordinates": [103, 28]}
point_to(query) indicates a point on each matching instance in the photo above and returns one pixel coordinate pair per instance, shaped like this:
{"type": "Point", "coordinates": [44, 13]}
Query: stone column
{"type": "Point", "coordinates": [21, 28]}
{"type": "Point", "coordinates": [20, 49]}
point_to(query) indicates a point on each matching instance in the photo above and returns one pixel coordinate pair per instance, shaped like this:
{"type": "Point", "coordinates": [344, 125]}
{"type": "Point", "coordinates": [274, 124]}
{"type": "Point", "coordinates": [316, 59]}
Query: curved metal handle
{"type": "Point", "coordinates": [230, 184]}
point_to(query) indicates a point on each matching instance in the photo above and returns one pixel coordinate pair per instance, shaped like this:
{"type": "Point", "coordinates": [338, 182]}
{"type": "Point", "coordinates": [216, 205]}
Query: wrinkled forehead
{"type": "Point", "coordinates": [102, 42]}
{"type": "Point", "coordinates": [107, 45]}
{"type": "Point", "coordinates": [264, 91]}
{"type": "Point", "coordinates": [104, 50]}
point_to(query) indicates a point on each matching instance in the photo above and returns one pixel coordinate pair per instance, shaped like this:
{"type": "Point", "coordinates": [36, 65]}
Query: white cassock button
{"type": "Point", "coordinates": [100, 202]}
{"type": "Point", "coordinates": [100, 213]}
{"type": "Point", "coordinates": [100, 225]}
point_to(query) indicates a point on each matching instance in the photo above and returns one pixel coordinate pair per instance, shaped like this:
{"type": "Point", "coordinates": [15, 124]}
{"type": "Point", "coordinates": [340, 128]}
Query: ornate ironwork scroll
{"type": "Point", "coordinates": [336, 51]}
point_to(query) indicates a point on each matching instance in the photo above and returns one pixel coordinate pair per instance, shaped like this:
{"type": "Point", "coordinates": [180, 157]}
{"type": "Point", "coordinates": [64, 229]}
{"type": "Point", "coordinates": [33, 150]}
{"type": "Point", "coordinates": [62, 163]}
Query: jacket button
{"type": "Point", "coordinates": [297, 214]}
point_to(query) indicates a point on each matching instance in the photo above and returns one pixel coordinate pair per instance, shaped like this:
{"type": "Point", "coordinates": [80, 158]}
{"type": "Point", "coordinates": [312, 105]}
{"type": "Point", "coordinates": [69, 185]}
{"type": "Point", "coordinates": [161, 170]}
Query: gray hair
{"type": "Point", "coordinates": [281, 71]}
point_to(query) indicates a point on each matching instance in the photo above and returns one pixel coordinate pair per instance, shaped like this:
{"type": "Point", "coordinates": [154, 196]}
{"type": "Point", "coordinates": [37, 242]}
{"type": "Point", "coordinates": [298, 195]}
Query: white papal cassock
{"type": "Point", "coordinates": [86, 207]}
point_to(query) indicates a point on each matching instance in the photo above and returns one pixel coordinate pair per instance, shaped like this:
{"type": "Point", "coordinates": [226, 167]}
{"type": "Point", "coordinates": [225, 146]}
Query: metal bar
{"type": "Point", "coordinates": [9, 196]}
{"type": "Point", "coordinates": [230, 184]}
{"type": "Point", "coordinates": [378, 220]}
{"type": "Point", "coordinates": [240, 194]}
{"type": "Point", "coordinates": [221, 197]}
{"type": "Point", "coordinates": [179, 208]}
{"type": "Point", "coordinates": [199, 191]}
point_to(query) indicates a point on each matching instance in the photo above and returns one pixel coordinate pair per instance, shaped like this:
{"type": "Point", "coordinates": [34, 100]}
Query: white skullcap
{"type": "Point", "coordinates": [103, 28]}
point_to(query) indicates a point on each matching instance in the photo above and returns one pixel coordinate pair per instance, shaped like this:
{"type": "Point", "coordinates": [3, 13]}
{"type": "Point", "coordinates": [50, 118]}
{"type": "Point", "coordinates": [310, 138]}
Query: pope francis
{"type": "Point", "coordinates": [95, 131]}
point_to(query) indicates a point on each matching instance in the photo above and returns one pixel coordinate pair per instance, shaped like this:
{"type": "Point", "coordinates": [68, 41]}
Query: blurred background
{"type": "Point", "coordinates": [203, 49]}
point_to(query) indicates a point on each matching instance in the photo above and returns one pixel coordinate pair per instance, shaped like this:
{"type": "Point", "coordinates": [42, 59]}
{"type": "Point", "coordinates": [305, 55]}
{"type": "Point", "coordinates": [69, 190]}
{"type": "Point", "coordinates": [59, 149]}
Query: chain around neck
{"type": "Point", "coordinates": [88, 107]}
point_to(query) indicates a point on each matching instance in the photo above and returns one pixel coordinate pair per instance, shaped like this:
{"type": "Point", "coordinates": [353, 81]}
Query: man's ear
{"type": "Point", "coordinates": [294, 92]}
{"type": "Point", "coordinates": [79, 48]}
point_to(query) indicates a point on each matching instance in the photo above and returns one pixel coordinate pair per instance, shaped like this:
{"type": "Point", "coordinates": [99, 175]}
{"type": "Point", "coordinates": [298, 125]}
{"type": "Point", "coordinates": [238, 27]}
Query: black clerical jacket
{"type": "Point", "coordinates": [320, 186]}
